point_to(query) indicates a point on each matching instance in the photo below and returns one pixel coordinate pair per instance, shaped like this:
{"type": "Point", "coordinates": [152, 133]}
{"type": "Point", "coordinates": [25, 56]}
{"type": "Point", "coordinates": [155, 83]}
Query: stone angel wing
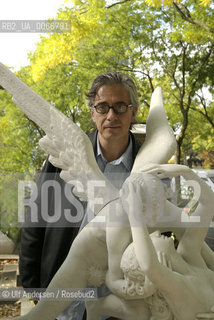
{"type": "Point", "coordinates": [69, 147]}
{"type": "Point", "coordinates": [160, 143]}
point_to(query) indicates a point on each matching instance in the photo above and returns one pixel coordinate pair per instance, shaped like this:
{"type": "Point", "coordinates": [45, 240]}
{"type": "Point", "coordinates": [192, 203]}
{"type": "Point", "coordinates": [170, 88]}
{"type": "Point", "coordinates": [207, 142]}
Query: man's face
{"type": "Point", "coordinates": [111, 125]}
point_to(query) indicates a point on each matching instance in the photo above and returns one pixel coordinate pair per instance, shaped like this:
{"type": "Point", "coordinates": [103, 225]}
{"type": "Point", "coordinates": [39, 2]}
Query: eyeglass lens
{"type": "Point", "coordinates": [118, 108]}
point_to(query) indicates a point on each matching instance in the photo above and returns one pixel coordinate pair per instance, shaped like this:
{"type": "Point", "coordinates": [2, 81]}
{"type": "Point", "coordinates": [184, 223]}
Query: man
{"type": "Point", "coordinates": [113, 105]}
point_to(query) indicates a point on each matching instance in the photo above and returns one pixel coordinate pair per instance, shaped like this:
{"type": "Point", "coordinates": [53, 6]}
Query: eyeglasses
{"type": "Point", "coordinates": [118, 108]}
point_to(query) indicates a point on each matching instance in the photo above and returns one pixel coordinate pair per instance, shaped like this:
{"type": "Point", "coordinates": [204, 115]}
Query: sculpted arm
{"type": "Point", "coordinates": [117, 240]}
{"type": "Point", "coordinates": [118, 237]}
{"type": "Point", "coordinates": [208, 256]}
{"type": "Point", "coordinates": [144, 249]}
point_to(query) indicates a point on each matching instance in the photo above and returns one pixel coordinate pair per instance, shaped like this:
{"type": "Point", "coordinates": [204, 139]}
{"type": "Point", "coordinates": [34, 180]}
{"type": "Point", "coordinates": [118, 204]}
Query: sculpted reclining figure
{"type": "Point", "coordinates": [174, 283]}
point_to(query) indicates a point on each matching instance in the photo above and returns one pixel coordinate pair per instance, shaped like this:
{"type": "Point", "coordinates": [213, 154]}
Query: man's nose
{"type": "Point", "coordinates": [111, 115]}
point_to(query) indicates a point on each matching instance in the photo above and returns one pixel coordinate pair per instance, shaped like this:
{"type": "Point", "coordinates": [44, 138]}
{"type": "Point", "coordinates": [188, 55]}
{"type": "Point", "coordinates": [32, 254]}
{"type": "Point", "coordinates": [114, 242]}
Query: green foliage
{"type": "Point", "coordinates": [9, 204]}
{"type": "Point", "coordinates": [18, 138]}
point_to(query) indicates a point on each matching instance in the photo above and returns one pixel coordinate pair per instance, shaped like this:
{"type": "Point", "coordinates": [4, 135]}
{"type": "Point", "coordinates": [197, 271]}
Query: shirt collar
{"type": "Point", "coordinates": [126, 158]}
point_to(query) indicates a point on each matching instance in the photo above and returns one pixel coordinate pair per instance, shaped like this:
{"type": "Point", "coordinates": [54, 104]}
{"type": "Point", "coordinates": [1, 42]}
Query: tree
{"type": "Point", "coordinates": [18, 137]}
{"type": "Point", "coordinates": [153, 45]}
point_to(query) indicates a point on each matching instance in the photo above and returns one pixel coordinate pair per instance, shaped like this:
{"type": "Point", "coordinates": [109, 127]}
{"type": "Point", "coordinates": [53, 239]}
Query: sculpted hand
{"type": "Point", "coordinates": [119, 287]}
{"type": "Point", "coordinates": [204, 316]}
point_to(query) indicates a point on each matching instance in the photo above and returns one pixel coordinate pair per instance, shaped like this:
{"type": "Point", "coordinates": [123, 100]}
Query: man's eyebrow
{"type": "Point", "coordinates": [102, 102]}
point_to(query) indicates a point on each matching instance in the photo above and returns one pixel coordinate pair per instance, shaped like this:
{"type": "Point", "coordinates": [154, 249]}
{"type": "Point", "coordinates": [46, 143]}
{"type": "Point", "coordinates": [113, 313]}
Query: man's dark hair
{"type": "Point", "coordinates": [113, 78]}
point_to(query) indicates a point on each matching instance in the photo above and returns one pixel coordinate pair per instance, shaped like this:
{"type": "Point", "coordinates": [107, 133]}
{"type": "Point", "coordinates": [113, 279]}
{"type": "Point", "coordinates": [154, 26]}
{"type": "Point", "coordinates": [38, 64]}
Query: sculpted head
{"type": "Point", "coordinates": [136, 281]}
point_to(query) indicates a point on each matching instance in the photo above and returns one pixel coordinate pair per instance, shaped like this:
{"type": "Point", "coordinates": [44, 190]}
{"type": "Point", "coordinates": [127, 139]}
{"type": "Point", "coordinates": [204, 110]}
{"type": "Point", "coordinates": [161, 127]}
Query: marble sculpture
{"type": "Point", "coordinates": [148, 277]}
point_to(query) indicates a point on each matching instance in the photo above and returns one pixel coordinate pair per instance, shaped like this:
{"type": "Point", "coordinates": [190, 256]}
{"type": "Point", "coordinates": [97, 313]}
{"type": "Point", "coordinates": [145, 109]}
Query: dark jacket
{"type": "Point", "coordinates": [44, 248]}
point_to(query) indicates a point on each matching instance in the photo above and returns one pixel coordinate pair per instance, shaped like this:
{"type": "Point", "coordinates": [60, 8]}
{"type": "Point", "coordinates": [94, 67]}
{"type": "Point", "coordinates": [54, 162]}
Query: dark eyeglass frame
{"type": "Point", "coordinates": [113, 107]}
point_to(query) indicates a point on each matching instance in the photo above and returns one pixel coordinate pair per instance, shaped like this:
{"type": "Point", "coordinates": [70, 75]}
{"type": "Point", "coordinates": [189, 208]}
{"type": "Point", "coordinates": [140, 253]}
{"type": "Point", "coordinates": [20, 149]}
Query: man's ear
{"type": "Point", "coordinates": [134, 112]}
{"type": "Point", "coordinates": [92, 114]}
